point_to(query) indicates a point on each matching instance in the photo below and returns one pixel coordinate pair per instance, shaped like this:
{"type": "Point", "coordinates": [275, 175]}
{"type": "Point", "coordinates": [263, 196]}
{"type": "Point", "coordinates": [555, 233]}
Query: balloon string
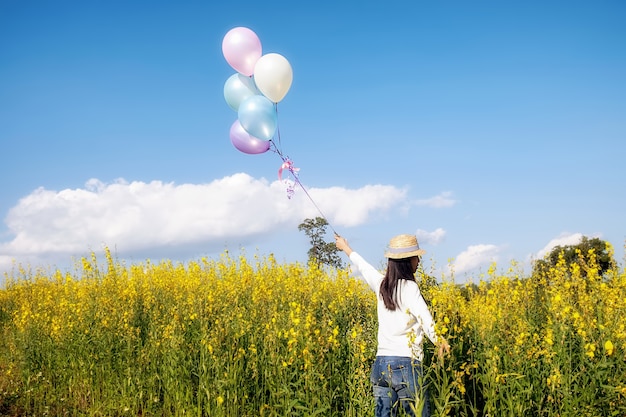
{"type": "Point", "coordinates": [278, 131]}
{"type": "Point", "coordinates": [289, 165]}
{"type": "Point", "coordinates": [316, 206]}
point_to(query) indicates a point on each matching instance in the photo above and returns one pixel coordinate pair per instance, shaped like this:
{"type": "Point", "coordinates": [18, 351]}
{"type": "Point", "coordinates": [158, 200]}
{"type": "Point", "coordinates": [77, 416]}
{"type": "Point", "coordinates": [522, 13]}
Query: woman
{"type": "Point", "coordinates": [403, 320]}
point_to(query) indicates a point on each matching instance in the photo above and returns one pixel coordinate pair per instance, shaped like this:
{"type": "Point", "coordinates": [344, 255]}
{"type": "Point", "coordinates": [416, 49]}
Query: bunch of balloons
{"type": "Point", "coordinates": [261, 81]}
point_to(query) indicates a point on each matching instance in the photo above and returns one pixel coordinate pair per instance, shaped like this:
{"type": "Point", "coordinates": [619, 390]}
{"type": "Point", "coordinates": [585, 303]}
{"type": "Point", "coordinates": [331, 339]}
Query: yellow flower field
{"type": "Point", "coordinates": [240, 337]}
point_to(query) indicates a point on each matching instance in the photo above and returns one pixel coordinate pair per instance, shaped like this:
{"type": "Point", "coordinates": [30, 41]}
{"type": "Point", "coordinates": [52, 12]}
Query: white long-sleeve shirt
{"type": "Point", "coordinates": [400, 332]}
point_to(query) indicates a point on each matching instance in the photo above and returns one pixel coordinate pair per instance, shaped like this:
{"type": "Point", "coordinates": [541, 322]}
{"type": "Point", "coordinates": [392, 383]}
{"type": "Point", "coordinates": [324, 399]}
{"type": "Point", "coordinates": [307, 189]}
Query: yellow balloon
{"type": "Point", "coordinates": [273, 76]}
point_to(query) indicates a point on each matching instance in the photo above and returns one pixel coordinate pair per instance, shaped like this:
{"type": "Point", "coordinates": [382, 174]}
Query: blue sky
{"type": "Point", "coordinates": [493, 130]}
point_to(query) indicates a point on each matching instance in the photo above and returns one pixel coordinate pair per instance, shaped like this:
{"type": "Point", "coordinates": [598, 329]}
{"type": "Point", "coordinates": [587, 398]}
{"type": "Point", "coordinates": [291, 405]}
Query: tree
{"type": "Point", "coordinates": [579, 254]}
{"type": "Point", "coordinates": [321, 252]}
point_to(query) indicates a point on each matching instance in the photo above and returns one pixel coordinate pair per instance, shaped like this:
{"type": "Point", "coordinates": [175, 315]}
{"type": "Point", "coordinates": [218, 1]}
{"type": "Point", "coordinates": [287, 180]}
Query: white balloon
{"type": "Point", "coordinates": [273, 76]}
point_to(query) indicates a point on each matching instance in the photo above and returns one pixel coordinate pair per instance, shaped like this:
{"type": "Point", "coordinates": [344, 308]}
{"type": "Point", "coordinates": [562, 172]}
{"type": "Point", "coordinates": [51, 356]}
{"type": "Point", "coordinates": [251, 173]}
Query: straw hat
{"type": "Point", "coordinates": [403, 246]}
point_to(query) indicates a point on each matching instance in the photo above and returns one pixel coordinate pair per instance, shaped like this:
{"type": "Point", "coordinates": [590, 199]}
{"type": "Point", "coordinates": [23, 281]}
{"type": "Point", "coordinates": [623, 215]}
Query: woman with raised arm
{"type": "Point", "coordinates": [403, 320]}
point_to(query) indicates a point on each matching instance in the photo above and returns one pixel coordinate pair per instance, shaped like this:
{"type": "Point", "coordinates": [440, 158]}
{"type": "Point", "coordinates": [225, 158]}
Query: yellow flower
{"type": "Point", "coordinates": [220, 400]}
{"type": "Point", "coordinates": [608, 346]}
{"type": "Point", "coordinates": [549, 340]}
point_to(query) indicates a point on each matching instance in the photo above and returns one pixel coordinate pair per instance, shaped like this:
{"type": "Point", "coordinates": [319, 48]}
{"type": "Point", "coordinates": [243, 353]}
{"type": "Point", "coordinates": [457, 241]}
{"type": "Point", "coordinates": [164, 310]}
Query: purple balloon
{"type": "Point", "coordinates": [246, 143]}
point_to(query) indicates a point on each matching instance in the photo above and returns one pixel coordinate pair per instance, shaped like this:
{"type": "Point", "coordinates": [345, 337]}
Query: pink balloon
{"type": "Point", "coordinates": [242, 49]}
{"type": "Point", "coordinates": [246, 143]}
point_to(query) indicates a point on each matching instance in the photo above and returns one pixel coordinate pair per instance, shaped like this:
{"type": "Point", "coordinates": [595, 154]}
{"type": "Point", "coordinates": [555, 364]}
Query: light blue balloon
{"type": "Point", "coordinates": [237, 88]}
{"type": "Point", "coordinates": [258, 117]}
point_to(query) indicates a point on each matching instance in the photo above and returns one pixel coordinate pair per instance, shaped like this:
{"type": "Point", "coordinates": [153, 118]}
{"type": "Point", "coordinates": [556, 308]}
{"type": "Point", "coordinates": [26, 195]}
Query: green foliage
{"type": "Point", "coordinates": [321, 252]}
{"type": "Point", "coordinates": [232, 338]}
{"type": "Point", "coordinates": [427, 284]}
{"type": "Point", "coordinates": [580, 254]}
{"type": "Point", "coordinates": [207, 338]}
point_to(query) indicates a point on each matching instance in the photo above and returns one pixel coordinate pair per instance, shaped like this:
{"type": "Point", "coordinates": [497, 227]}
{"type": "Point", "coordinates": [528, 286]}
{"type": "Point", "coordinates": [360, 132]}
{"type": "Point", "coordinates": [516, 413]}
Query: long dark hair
{"type": "Point", "coordinates": [397, 269]}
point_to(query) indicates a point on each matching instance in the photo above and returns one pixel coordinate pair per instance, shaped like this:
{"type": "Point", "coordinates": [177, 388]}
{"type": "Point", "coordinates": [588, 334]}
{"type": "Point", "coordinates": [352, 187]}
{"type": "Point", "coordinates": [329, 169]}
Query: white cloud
{"type": "Point", "coordinates": [6, 263]}
{"type": "Point", "coordinates": [564, 239]}
{"type": "Point", "coordinates": [354, 207]}
{"type": "Point", "coordinates": [135, 216]}
{"type": "Point", "coordinates": [475, 256]}
{"type": "Point", "coordinates": [442, 200]}
{"type": "Point", "coordinates": [433, 238]}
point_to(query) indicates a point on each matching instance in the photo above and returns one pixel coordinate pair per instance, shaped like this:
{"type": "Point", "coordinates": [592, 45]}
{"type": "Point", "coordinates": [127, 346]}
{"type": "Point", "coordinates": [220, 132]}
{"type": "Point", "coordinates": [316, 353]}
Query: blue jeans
{"type": "Point", "coordinates": [396, 381]}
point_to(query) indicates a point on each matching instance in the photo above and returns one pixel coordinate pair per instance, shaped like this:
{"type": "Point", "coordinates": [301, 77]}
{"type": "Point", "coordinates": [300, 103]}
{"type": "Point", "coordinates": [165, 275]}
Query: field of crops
{"type": "Point", "coordinates": [252, 337]}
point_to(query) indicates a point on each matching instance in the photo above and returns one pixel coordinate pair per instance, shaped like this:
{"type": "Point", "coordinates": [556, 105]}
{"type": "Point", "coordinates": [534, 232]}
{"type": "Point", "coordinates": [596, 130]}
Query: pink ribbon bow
{"type": "Point", "coordinates": [288, 165]}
